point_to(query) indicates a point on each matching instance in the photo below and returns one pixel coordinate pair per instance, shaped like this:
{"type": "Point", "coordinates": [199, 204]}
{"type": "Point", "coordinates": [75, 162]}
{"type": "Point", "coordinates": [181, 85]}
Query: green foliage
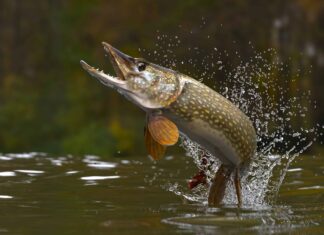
{"type": "Point", "coordinates": [48, 103]}
{"type": "Point", "coordinates": [91, 138]}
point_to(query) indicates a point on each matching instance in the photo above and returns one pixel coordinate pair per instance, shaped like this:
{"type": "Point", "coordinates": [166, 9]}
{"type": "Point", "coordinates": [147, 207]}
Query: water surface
{"type": "Point", "coordinates": [43, 194]}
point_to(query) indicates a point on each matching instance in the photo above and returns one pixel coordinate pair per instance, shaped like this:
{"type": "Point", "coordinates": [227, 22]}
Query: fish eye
{"type": "Point", "coordinates": [141, 66]}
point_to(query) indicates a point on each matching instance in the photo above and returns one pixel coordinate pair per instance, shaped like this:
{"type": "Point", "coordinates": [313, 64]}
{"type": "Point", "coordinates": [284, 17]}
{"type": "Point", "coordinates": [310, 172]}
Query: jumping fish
{"type": "Point", "coordinates": [175, 103]}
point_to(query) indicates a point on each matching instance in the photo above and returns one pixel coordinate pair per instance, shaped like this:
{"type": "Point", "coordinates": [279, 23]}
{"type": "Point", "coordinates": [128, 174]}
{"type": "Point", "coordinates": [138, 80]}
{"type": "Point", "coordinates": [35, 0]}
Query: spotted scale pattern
{"type": "Point", "coordinates": [198, 101]}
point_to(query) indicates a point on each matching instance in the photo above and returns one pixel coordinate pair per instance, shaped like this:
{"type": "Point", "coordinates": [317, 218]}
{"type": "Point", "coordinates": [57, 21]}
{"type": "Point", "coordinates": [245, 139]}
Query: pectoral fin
{"type": "Point", "coordinates": [162, 130]}
{"type": "Point", "coordinates": [154, 149]}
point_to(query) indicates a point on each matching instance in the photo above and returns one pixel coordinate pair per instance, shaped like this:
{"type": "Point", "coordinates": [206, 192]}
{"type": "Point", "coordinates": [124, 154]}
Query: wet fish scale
{"type": "Point", "coordinates": [199, 102]}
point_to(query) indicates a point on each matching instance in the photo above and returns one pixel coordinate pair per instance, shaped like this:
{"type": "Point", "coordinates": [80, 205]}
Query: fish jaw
{"type": "Point", "coordinates": [105, 79]}
{"type": "Point", "coordinates": [121, 86]}
{"type": "Point", "coordinates": [121, 62]}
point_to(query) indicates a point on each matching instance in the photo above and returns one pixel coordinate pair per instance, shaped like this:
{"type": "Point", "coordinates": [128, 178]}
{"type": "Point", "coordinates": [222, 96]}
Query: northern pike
{"type": "Point", "coordinates": [176, 103]}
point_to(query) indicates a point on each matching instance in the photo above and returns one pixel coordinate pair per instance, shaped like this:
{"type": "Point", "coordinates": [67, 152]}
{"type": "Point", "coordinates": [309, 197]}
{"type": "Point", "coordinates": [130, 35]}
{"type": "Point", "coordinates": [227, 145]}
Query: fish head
{"type": "Point", "coordinates": [148, 85]}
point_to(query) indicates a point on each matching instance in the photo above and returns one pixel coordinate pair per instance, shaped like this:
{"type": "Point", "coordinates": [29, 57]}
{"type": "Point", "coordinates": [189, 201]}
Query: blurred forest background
{"type": "Point", "coordinates": [48, 103]}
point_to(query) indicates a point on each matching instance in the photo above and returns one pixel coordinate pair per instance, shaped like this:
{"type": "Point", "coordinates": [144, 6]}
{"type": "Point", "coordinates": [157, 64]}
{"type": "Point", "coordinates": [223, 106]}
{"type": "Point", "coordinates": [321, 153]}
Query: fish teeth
{"type": "Point", "coordinates": [98, 70]}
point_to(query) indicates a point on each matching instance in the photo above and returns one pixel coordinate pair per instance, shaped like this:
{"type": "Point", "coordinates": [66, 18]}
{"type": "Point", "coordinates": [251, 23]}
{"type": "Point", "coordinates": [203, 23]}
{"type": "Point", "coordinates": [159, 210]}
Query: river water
{"type": "Point", "coordinates": [44, 194]}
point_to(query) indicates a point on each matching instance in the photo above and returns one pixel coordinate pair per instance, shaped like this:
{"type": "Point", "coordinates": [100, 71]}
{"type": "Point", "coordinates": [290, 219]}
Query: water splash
{"type": "Point", "coordinates": [263, 88]}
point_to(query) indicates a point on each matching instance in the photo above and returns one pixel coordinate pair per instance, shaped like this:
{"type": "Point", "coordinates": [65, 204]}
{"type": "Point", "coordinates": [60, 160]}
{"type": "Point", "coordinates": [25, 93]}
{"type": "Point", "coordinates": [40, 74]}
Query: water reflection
{"type": "Point", "coordinates": [135, 194]}
{"type": "Point", "coordinates": [30, 172]}
{"type": "Point", "coordinates": [94, 178]}
{"type": "Point", "coordinates": [71, 172]}
{"type": "Point", "coordinates": [93, 161]}
{"type": "Point", "coordinates": [5, 197]}
{"type": "Point", "coordinates": [7, 174]}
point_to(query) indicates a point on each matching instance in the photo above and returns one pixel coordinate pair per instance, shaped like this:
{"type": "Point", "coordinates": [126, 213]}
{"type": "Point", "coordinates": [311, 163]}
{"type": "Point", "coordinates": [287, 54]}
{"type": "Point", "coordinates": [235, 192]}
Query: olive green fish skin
{"type": "Point", "coordinates": [218, 116]}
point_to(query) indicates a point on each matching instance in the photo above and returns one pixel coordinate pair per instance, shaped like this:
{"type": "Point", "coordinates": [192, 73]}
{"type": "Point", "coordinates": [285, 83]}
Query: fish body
{"type": "Point", "coordinates": [213, 122]}
{"type": "Point", "coordinates": [177, 103]}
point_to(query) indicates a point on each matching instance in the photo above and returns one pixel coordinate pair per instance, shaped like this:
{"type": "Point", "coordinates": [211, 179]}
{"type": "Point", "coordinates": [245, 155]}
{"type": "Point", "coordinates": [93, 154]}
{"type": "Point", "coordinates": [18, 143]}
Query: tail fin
{"type": "Point", "coordinates": [217, 189]}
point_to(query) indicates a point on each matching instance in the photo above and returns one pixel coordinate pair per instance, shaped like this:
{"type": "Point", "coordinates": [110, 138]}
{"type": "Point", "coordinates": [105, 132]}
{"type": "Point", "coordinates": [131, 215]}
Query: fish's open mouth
{"type": "Point", "coordinates": [104, 78]}
{"type": "Point", "coordinates": [121, 62]}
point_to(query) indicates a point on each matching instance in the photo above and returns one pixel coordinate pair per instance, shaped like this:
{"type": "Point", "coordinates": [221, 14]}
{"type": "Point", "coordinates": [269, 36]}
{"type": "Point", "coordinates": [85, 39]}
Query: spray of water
{"type": "Point", "coordinates": [262, 89]}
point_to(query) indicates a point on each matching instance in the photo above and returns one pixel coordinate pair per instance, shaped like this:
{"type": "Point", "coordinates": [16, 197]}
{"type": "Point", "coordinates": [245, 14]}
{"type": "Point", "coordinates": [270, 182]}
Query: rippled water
{"type": "Point", "coordinates": [43, 194]}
